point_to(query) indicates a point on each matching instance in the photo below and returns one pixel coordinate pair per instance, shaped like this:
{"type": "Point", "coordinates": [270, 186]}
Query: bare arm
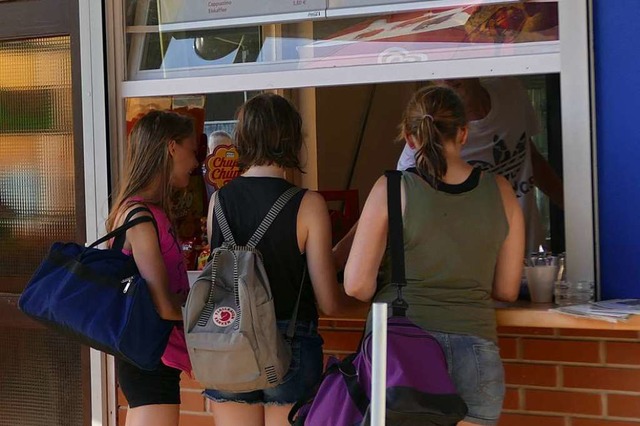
{"type": "Point", "coordinates": [343, 247]}
{"type": "Point", "coordinates": [143, 241]}
{"type": "Point", "coordinates": [546, 178]}
{"type": "Point", "coordinates": [369, 244]}
{"type": "Point", "coordinates": [314, 238]}
{"type": "Point", "coordinates": [508, 270]}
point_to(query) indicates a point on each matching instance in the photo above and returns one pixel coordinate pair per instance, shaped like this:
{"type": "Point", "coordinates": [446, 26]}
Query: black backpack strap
{"type": "Point", "coordinates": [291, 329]}
{"type": "Point", "coordinates": [222, 221]}
{"type": "Point", "coordinates": [350, 376]}
{"type": "Point", "coordinates": [396, 240]}
{"type": "Point", "coordinates": [119, 233]}
{"type": "Point", "coordinates": [271, 215]}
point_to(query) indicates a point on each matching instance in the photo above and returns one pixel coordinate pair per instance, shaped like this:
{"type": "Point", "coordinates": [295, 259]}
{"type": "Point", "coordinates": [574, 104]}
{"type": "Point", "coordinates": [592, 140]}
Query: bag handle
{"type": "Point", "coordinates": [396, 240]}
{"type": "Point", "coordinates": [119, 232]}
{"type": "Point", "coordinates": [118, 242]}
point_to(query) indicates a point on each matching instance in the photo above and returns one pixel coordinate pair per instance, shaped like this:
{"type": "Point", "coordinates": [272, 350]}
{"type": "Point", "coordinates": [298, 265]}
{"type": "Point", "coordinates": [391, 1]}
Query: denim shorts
{"type": "Point", "coordinates": [304, 373]}
{"type": "Point", "coordinates": [476, 369]}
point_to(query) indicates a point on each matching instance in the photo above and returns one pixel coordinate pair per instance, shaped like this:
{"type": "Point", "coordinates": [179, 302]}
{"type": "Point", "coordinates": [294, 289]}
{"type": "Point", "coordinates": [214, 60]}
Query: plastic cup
{"type": "Point", "coordinates": [540, 280]}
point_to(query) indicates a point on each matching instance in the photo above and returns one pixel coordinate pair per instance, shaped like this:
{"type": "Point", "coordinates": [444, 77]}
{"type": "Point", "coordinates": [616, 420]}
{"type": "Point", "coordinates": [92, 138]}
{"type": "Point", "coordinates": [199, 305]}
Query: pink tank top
{"type": "Point", "coordinates": [176, 354]}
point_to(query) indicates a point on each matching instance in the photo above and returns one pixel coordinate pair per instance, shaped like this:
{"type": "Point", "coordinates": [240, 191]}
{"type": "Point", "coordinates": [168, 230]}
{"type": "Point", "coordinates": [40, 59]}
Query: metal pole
{"type": "Point", "coordinates": [379, 365]}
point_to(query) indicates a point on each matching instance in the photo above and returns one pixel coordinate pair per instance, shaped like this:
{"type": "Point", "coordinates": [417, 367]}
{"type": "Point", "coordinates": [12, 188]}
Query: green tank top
{"type": "Point", "coordinates": [451, 243]}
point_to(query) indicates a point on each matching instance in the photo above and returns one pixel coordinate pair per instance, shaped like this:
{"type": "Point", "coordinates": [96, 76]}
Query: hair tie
{"type": "Point", "coordinates": [429, 116]}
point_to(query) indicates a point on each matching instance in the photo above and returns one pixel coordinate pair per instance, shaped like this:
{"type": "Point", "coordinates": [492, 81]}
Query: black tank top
{"type": "Point", "coordinates": [245, 202]}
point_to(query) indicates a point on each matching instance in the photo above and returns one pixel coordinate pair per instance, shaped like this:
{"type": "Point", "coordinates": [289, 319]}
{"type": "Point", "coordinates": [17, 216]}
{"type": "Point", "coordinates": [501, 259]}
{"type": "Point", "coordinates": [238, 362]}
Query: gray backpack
{"type": "Point", "coordinates": [229, 316]}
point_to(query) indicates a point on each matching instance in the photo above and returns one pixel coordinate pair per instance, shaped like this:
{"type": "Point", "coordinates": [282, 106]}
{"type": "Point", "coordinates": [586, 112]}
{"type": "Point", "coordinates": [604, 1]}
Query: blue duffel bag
{"type": "Point", "coordinates": [97, 297]}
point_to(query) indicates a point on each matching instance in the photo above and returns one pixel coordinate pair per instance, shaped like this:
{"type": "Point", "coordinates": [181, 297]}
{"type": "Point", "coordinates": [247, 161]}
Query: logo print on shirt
{"type": "Point", "coordinates": [224, 316]}
{"type": "Point", "coordinates": [508, 163]}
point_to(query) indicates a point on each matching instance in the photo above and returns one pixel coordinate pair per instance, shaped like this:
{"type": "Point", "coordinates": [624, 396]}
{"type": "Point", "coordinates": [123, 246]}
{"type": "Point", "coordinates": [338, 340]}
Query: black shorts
{"type": "Point", "coordinates": [142, 387]}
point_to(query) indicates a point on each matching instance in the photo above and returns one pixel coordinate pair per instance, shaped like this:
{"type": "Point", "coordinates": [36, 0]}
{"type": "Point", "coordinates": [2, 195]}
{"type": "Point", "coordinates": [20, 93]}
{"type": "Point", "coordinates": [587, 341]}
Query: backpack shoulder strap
{"type": "Point", "coordinates": [222, 221]}
{"type": "Point", "coordinates": [396, 239]}
{"type": "Point", "coordinates": [271, 215]}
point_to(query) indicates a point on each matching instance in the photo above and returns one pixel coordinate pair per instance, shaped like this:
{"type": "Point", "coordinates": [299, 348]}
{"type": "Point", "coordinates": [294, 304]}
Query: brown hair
{"type": "Point", "coordinates": [269, 131]}
{"type": "Point", "coordinates": [148, 157]}
{"type": "Point", "coordinates": [433, 116]}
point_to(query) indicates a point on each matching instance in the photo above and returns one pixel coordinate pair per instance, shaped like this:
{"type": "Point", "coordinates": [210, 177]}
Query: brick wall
{"type": "Point", "coordinates": [555, 377]}
{"type": "Point", "coordinates": [571, 377]}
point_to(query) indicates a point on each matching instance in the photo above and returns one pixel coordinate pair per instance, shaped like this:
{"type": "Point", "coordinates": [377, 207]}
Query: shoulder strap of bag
{"type": "Point", "coordinates": [291, 329]}
{"type": "Point", "coordinates": [271, 215]}
{"type": "Point", "coordinates": [119, 232]}
{"type": "Point", "coordinates": [276, 208]}
{"type": "Point", "coordinates": [396, 240]}
{"type": "Point", "coordinates": [222, 221]}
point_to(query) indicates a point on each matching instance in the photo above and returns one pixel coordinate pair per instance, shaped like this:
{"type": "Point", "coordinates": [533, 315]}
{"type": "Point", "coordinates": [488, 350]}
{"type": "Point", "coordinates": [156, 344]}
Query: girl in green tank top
{"type": "Point", "coordinates": [464, 244]}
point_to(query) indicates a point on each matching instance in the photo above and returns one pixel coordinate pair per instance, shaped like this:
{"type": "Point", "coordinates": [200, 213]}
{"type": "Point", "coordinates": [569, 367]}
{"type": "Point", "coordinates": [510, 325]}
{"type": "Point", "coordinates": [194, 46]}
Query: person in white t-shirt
{"type": "Point", "coordinates": [501, 124]}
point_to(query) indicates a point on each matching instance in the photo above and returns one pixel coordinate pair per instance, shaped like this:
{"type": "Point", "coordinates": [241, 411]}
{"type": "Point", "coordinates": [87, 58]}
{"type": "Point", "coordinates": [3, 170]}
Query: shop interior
{"type": "Point", "coordinates": [351, 138]}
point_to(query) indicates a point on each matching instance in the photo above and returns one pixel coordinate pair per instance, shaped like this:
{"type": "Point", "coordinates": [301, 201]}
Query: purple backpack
{"type": "Point", "coordinates": [419, 388]}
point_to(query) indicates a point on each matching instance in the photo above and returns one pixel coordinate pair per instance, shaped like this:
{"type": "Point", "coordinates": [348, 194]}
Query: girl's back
{"type": "Point", "coordinates": [452, 238]}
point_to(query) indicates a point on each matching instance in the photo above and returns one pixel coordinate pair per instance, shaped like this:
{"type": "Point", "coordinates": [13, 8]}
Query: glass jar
{"type": "Point", "coordinates": [568, 293]}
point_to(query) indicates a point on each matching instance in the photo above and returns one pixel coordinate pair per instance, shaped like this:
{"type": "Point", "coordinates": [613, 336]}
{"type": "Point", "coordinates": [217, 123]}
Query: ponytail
{"type": "Point", "coordinates": [433, 116]}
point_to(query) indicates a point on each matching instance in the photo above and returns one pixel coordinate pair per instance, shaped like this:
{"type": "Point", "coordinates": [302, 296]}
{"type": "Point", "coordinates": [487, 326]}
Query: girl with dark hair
{"type": "Point", "coordinates": [268, 137]}
{"type": "Point", "coordinates": [161, 154]}
{"type": "Point", "coordinates": [463, 242]}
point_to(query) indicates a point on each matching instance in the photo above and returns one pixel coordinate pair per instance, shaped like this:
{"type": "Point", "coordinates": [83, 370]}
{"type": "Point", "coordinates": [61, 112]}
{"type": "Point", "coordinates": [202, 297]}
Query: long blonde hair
{"type": "Point", "coordinates": [148, 158]}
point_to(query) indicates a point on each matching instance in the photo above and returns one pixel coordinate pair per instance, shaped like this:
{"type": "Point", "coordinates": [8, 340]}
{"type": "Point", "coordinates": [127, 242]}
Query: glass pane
{"type": "Point", "coordinates": [37, 171]}
{"type": "Point", "coordinates": [165, 40]}
{"type": "Point", "coordinates": [41, 379]}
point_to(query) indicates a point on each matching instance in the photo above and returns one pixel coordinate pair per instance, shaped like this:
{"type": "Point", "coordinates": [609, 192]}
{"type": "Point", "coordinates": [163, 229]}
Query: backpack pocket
{"type": "Point", "coordinates": [223, 361]}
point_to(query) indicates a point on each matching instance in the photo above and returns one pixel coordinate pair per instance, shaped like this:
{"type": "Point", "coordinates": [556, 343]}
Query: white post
{"type": "Point", "coordinates": [379, 365]}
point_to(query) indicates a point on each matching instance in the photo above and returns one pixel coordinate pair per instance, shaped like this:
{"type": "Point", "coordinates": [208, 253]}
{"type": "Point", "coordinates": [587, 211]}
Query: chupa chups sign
{"type": "Point", "coordinates": [221, 166]}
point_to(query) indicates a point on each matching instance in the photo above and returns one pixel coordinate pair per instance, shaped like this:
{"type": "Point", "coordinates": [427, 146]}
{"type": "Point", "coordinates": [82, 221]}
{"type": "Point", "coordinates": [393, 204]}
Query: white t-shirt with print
{"type": "Point", "coordinates": [499, 143]}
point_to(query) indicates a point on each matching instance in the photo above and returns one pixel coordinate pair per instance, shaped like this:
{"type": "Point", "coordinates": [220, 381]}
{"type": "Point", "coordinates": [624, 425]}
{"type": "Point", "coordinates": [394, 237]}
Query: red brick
{"type": "Point", "coordinates": [612, 334]}
{"type": "Point", "coordinates": [196, 419]}
{"type": "Point", "coordinates": [191, 401]}
{"type": "Point", "coordinates": [511, 399]}
{"type": "Point", "coordinates": [341, 340]}
{"type": "Point", "coordinates": [530, 374]}
{"type": "Point", "coordinates": [622, 379]}
{"type": "Point", "coordinates": [326, 323]}
{"type": "Point", "coordinates": [560, 350]}
{"type": "Point", "coordinates": [623, 405]}
{"type": "Point", "coordinates": [508, 419]}
{"type": "Point", "coordinates": [623, 353]}
{"type": "Point", "coordinates": [508, 347]}
{"type": "Point", "coordinates": [352, 325]}
{"type": "Point", "coordinates": [599, 422]}
{"type": "Point", "coordinates": [527, 331]}
{"type": "Point", "coordinates": [562, 402]}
